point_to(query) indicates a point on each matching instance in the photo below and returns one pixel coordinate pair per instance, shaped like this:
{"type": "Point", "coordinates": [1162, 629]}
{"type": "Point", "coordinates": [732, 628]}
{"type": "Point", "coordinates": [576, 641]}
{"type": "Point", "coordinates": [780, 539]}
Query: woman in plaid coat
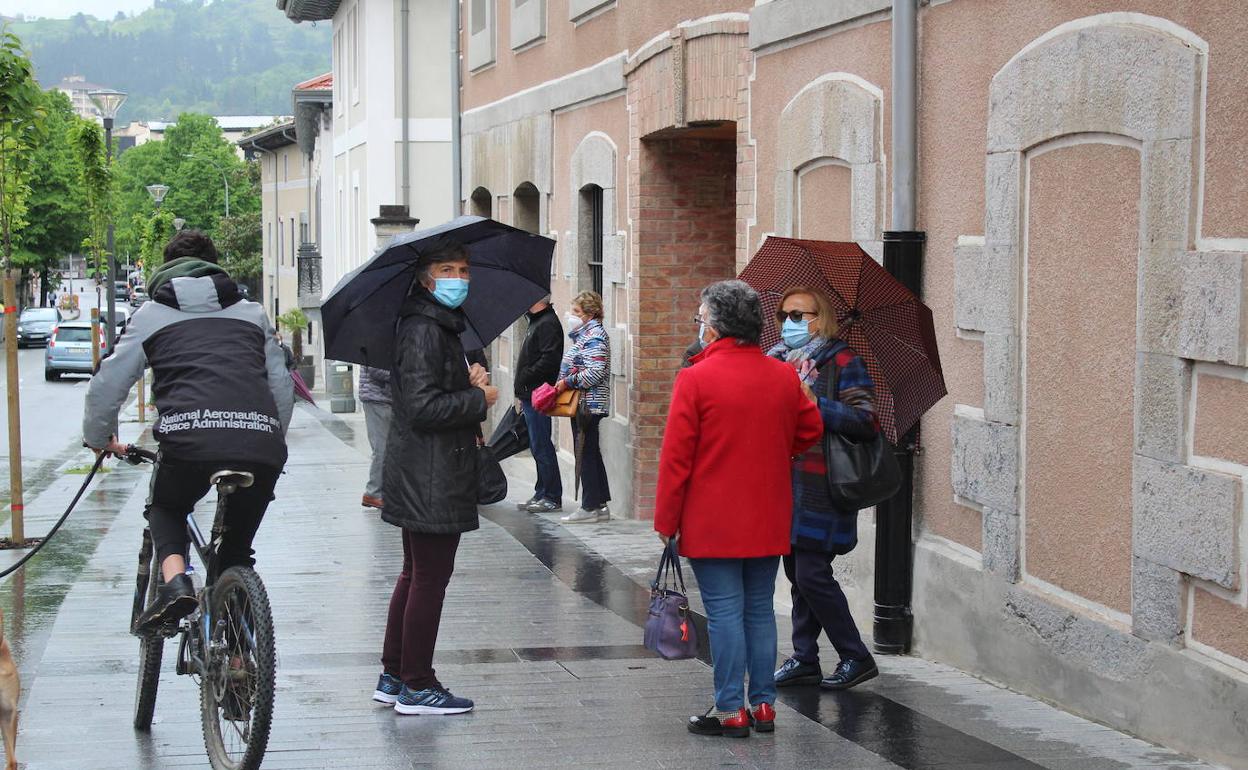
{"type": "Point", "coordinates": [586, 367]}
{"type": "Point", "coordinates": [821, 531]}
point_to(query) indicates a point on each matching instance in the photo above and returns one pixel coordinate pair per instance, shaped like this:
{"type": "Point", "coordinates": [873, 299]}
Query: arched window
{"type": "Point", "coordinates": [482, 203]}
{"type": "Point", "coordinates": [590, 227]}
{"type": "Point", "coordinates": [526, 208]}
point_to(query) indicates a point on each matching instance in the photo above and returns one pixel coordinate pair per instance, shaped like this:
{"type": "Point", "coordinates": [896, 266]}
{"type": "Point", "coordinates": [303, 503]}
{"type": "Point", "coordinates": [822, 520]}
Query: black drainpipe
{"type": "Point", "coordinates": [894, 551]}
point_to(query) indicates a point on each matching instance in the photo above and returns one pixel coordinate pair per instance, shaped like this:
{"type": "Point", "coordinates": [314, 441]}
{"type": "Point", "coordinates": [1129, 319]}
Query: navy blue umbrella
{"type": "Point", "coordinates": [510, 273]}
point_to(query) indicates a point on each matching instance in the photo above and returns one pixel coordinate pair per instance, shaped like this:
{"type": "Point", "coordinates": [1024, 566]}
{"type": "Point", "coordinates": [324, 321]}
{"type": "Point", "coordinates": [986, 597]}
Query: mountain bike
{"type": "Point", "coordinates": [226, 644]}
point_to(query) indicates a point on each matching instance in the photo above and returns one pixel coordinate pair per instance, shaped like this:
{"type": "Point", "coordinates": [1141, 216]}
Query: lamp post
{"type": "Point", "coordinates": [108, 102]}
{"type": "Point", "coordinates": [178, 223]}
{"type": "Point", "coordinates": [224, 179]}
{"type": "Point", "coordinates": [158, 193]}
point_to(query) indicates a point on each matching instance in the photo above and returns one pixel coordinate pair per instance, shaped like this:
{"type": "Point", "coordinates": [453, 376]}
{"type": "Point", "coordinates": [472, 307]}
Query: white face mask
{"type": "Point", "coordinates": [573, 321]}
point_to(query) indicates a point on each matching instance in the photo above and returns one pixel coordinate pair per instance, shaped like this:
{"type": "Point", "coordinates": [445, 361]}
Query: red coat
{"type": "Point", "coordinates": [725, 474]}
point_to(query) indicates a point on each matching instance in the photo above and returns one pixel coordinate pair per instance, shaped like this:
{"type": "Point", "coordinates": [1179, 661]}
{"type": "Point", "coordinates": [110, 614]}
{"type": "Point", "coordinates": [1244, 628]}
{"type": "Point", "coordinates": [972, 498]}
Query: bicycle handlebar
{"type": "Point", "coordinates": [136, 455]}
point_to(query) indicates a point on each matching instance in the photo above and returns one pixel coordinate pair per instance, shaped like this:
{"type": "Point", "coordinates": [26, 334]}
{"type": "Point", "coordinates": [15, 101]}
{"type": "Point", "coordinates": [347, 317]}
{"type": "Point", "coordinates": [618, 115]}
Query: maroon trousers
{"type": "Point", "coordinates": [416, 608]}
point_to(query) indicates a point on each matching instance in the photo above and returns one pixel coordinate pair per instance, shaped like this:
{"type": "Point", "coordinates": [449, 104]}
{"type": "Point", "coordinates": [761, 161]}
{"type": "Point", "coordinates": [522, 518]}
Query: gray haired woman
{"type": "Point", "coordinates": [737, 418]}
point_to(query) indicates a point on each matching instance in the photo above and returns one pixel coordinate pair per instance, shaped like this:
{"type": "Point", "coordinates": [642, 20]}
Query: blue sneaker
{"type": "Point", "coordinates": [388, 688]}
{"type": "Point", "coordinates": [434, 700]}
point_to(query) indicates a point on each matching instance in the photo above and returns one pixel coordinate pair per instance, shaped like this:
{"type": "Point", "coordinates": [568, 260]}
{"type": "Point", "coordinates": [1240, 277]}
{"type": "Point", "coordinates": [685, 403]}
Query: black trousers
{"type": "Point", "coordinates": [176, 488]}
{"type": "Point", "coordinates": [595, 489]}
{"type": "Point", "coordinates": [819, 604]}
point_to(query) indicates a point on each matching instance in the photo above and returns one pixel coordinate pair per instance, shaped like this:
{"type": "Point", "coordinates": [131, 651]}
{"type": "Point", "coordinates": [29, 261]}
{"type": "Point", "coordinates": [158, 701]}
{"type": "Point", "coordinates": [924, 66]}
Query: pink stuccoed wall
{"type": "Point", "coordinates": [568, 48]}
{"type": "Point", "coordinates": [824, 214]}
{"type": "Point", "coordinates": [1222, 418]}
{"type": "Point", "coordinates": [1083, 242]}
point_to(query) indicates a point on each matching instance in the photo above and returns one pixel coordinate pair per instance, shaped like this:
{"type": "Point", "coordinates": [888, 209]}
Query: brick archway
{"type": "Point", "coordinates": [690, 172]}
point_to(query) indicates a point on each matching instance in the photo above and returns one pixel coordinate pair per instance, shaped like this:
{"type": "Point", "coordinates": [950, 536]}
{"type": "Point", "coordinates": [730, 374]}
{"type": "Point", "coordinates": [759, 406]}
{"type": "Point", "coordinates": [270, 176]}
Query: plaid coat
{"type": "Point", "coordinates": [818, 525]}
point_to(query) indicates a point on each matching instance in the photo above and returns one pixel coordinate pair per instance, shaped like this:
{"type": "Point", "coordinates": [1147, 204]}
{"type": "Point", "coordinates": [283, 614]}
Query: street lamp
{"type": "Point", "coordinates": [224, 178]}
{"type": "Point", "coordinates": [158, 193]}
{"type": "Point", "coordinates": [179, 223]}
{"type": "Point", "coordinates": [108, 102]}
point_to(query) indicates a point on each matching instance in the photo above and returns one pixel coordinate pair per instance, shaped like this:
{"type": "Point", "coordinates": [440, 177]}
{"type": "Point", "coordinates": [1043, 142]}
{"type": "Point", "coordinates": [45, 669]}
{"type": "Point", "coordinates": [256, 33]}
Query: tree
{"type": "Point", "coordinates": [196, 189]}
{"type": "Point", "coordinates": [295, 322]}
{"type": "Point", "coordinates": [21, 128]}
{"type": "Point", "coordinates": [240, 242]}
{"type": "Point", "coordinates": [154, 231]}
{"type": "Point", "coordinates": [97, 187]}
{"type": "Point", "coordinates": [56, 210]}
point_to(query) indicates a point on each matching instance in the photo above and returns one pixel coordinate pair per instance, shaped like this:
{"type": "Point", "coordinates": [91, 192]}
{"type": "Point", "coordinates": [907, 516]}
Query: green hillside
{"type": "Point", "coordinates": [224, 57]}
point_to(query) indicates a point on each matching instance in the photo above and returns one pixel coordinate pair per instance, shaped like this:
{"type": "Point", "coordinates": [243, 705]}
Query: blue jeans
{"type": "Point", "coordinates": [741, 622]}
{"type": "Point", "coordinates": [549, 484]}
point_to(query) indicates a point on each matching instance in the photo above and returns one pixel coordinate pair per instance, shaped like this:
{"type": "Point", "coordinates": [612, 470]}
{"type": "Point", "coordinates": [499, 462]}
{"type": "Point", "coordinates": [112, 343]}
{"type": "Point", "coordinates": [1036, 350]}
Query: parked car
{"type": "Point", "coordinates": [138, 296]}
{"type": "Point", "coordinates": [121, 291]}
{"type": "Point", "coordinates": [123, 318]}
{"type": "Point", "coordinates": [35, 324]}
{"type": "Point", "coordinates": [69, 350]}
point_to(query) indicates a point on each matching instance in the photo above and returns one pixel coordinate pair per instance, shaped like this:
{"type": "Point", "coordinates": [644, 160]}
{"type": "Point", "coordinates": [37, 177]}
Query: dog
{"type": "Point", "coordinates": [10, 691]}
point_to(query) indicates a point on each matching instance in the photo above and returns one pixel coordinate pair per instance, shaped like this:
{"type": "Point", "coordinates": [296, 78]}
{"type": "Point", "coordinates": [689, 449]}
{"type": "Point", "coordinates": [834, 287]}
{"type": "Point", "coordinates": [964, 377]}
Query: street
{"type": "Point", "coordinates": [541, 628]}
{"type": "Point", "coordinates": [51, 422]}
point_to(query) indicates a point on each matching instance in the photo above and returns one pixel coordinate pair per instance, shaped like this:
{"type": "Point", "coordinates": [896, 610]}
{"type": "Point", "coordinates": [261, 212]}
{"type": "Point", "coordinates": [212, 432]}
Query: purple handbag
{"type": "Point", "coordinates": [669, 628]}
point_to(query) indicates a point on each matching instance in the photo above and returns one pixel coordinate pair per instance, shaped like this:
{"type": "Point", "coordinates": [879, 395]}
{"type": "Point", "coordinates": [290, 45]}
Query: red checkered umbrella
{"type": "Point", "coordinates": [879, 318]}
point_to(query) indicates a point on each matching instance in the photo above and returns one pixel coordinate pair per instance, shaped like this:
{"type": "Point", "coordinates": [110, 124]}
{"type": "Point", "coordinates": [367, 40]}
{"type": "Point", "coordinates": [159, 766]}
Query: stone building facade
{"type": "Point", "coordinates": [1082, 182]}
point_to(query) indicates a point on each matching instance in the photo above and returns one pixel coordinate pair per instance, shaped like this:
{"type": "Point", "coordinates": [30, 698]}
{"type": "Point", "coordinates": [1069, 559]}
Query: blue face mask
{"type": "Point", "coordinates": [795, 333]}
{"type": "Point", "coordinates": [451, 292]}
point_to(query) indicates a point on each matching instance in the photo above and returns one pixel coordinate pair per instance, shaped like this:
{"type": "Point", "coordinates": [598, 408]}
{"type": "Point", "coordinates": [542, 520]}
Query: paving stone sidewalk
{"type": "Point", "coordinates": [540, 628]}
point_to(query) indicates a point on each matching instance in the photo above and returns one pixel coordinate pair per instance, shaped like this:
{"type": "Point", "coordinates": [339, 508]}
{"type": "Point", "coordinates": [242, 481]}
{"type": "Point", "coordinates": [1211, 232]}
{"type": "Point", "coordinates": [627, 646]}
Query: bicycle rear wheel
{"type": "Point", "coordinates": [152, 649]}
{"type": "Point", "coordinates": [236, 690]}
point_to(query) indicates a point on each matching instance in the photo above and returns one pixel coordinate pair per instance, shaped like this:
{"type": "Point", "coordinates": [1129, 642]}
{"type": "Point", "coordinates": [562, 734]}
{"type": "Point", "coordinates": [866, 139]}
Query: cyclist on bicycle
{"type": "Point", "coordinates": [224, 400]}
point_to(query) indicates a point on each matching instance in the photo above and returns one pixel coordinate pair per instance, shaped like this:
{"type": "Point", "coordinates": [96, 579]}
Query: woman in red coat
{"type": "Point", "coordinates": [737, 419]}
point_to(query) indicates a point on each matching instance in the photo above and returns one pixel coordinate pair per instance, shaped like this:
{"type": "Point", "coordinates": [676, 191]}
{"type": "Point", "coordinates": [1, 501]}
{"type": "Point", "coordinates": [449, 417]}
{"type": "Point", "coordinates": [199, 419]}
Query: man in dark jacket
{"type": "Point", "coordinates": [539, 363]}
{"type": "Point", "coordinates": [224, 397]}
{"type": "Point", "coordinates": [438, 402]}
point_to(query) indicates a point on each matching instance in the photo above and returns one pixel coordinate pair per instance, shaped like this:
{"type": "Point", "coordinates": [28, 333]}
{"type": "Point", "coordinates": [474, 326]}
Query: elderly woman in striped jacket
{"type": "Point", "coordinates": [586, 367]}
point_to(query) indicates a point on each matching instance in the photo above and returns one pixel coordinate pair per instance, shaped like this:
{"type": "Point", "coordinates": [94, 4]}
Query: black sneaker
{"type": "Point", "coordinates": [850, 673]}
{"type": "Point", "coordinates": [174, 601]}
{"type": "Point", "coordinates": [534, 500]}
{"type": "Point", "coordinates": [794, 672]}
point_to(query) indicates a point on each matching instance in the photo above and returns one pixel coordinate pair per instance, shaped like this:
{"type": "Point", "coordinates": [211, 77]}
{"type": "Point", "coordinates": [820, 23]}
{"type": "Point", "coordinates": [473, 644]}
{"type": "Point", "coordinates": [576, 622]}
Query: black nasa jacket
{"type": "Point", "coordinates": [219, 378]}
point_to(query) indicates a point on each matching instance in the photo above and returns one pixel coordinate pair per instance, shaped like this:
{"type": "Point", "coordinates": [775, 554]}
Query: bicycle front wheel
{"type": "Point", "coordinates": [152, 649]}
{"type": "Point", "coordinates": [236, 690]}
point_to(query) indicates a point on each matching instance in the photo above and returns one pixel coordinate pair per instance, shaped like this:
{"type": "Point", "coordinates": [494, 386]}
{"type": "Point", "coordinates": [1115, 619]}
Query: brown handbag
{"type": "Point", "coordinates": [566, 404]}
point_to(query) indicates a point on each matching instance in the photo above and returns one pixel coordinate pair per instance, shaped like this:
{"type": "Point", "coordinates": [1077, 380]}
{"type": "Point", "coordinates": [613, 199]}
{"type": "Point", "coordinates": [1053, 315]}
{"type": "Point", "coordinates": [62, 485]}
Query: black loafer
{"type": "Point", "coordinates": [850, 673]}
{"type": "Point", "coordinates": [794, 672]}
{"type": "Point", "coordinates": [174, 601]}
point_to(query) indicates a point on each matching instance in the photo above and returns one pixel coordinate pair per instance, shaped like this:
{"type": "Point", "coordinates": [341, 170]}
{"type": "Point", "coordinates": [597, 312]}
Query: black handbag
{"type": "Point", "coordinates": [861, 473]}
{"type": "Point", "coordinates": [491, 481]}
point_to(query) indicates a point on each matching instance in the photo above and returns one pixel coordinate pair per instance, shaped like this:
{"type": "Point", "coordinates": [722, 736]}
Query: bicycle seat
{"type": "Point", "coordinates": [236, 479]}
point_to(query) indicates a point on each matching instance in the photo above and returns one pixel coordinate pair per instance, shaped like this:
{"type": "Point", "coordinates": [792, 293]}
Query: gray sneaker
{"type": "Point", "coordinates": [544, 506]}
{"type": "Point", "coordinates": [525, 505]}
{"type": "Point", "coordinates": [583, 516]}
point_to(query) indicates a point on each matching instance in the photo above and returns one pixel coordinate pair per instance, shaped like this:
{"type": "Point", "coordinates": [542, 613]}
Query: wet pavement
{"type": "Point", "coordinates": [541, 628]}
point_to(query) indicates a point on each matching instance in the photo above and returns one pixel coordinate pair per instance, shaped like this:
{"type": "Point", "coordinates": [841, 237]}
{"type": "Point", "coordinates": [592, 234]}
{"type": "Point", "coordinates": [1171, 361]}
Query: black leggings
{"type": "Point", "coordinates": [176, 488]}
